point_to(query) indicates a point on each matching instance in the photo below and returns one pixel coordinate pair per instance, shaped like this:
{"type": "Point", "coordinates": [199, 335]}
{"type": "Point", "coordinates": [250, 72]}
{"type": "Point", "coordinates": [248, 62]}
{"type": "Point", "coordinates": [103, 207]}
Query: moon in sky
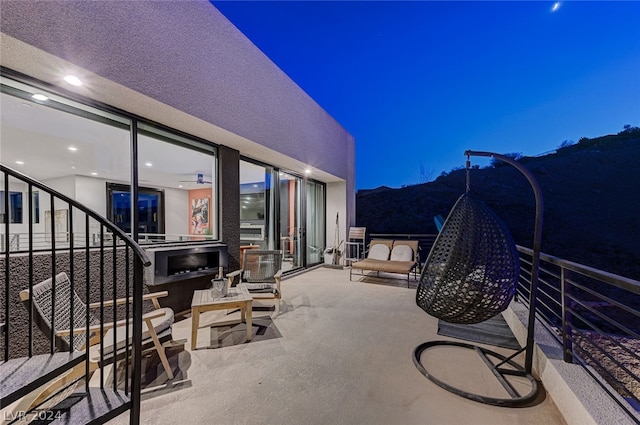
{"type": "Point", "coordinates": [555, 6]}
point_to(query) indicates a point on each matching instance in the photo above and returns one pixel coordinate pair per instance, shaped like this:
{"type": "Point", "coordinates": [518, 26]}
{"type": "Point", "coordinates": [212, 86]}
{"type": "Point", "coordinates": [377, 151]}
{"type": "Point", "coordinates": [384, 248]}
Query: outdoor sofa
{"type": "Point", "coordinates": [390, 256]}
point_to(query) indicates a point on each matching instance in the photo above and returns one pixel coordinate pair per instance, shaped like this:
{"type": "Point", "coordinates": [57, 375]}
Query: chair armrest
{"type": "Point", "coordinates": [153, 296]}
{"type": "Point", "coordinates": [153, 314]}
{"type": "Point", "coordinates": [234, 274]}
{"type": "Point", "coordinates": [278, 278]}
{"type": "Point", "coordinates": [109, 325]}
{"type": "Point", "coordinates": [231, 276]}
{"type": "Point", "coordinates": [92, 328]}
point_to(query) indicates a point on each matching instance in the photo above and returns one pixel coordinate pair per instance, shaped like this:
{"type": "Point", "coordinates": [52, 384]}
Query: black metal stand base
{"type": "Point", "coordinates": [516, 399]}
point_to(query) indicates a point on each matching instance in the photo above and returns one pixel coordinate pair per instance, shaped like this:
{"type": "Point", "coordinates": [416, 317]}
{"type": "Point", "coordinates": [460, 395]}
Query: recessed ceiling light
{"type": "Point", "coordinates": [72, 148]}
{"type": "Point", "coordinates": [20, 162]}
{"type": "Point", "coordinates": [39, 96]}
{"type": "Point", "coordinates": [307, 171]}
{"type": "Point", "coordinates": [94, 173]}
{"type": "Point", "coordinates": [73, 80]}
{"type": "Point", "coordinates": [148, 164]}
{"type": "Point", "coordinates": [179, 185]}
{"type": "Point", "coordinates": [73, 167]}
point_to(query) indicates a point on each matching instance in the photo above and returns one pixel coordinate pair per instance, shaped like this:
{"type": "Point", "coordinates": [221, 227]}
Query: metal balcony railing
{"type": "Point", "coordinates": [594, 314]}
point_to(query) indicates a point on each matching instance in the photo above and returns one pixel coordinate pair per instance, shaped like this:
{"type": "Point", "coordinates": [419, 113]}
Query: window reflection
{"type": "Point", "coordinates": [256, 205]}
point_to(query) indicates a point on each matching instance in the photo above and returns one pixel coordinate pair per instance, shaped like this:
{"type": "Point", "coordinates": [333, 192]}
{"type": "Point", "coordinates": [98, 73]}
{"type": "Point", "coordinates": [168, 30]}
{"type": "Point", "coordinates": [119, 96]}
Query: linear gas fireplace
{"type": "Point", "coordinates": [176, 263]}
{"type": "Point", "coordinates": [181, 269]}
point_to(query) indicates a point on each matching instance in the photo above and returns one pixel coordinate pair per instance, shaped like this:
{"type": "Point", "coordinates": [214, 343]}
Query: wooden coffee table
{"type": "Point", "coordinates": [238, 297]}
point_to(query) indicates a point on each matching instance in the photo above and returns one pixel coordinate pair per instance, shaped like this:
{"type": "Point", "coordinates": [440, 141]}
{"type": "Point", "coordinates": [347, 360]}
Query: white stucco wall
{"type": "Point", "coordinates": [336, 194]}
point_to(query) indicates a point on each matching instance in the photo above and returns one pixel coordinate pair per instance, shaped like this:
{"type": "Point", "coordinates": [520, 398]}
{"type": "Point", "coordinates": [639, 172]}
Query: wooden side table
{"type": "Point", "coordinates": [238, 297]}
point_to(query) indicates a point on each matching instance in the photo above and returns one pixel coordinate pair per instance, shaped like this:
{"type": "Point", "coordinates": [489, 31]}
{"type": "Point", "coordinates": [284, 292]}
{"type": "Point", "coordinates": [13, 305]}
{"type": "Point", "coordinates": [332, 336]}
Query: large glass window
{"type": "Point", "coordinates": [84, 153]}
{"type": "Point", "coordinates": [73, 148]}
{"type": "Point", "coordinates": [257, 206]}
{"type": "Point", "coordinates": [184, 171]}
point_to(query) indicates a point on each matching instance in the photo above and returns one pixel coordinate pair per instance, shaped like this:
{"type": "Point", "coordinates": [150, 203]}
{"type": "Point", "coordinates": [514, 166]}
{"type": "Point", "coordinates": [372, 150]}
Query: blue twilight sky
{"type": "Point", "coordinates": [416, 83]}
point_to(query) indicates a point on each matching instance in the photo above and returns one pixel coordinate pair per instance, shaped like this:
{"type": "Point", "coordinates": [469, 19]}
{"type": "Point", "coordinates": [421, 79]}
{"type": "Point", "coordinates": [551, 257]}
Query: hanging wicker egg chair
{"type": "Point", "coordinates": [472, 269]}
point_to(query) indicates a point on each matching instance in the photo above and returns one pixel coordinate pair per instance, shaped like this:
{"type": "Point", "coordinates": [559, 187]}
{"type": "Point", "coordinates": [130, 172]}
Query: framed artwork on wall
{"type": "Point", "coordinates": [200, 216]}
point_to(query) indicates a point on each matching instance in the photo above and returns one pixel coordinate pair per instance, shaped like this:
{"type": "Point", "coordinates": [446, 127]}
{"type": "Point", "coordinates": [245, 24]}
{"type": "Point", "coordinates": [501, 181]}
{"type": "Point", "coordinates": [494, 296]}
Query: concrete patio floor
{"type": "Point", "coordinates": [339, 352]}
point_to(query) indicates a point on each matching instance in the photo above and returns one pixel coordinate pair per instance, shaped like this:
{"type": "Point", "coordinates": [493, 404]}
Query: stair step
{"type": "Point", "coordinates": [95, 407]}
{"type": "Point", "coordinates": [23, 375]}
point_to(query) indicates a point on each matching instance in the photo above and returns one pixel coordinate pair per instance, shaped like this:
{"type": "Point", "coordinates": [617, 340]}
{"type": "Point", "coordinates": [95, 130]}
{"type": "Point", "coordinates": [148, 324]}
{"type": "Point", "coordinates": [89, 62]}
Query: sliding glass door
{"type": "Point", "coordinates": [279, 210]}
{"type": "Point", "coordinates": [291, 224]}
{"type": "Point", "coordinates": [315, 227]}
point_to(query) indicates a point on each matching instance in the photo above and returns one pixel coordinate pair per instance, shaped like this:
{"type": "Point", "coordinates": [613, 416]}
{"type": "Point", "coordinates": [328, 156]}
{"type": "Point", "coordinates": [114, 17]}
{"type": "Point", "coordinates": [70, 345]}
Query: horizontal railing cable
{"type": "Point", "coordinates": [594, 314]}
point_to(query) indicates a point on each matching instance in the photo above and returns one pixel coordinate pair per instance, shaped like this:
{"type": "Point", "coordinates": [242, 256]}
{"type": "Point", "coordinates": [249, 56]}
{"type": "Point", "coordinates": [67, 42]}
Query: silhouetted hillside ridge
{"type": "Point", "coordinates": [591, 194]}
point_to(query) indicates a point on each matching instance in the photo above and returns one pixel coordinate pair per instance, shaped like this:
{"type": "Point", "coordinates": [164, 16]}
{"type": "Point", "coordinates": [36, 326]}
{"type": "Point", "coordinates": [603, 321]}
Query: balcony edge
{"type": "Point", "coordinates": [579, 398]}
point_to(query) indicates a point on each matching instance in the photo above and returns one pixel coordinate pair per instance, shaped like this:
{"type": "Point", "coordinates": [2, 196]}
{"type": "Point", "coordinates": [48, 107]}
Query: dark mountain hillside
{"type": "Point", "coordinates": [591, 195]}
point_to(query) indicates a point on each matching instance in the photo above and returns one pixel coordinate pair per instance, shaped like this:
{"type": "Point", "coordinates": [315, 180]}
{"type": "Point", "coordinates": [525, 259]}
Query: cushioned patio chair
{"type": "Point", "coordinates": [156, 325]}
{"type": "Point", "coordinates": [262, 272]}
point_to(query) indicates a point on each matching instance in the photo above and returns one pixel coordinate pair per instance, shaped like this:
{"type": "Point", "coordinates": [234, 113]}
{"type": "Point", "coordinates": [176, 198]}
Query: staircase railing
{"type": "Point", "coordinates": [110, 270]}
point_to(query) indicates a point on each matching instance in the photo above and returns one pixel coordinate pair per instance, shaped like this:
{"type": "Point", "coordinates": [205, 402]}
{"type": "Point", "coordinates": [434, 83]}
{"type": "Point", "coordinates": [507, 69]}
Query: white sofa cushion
{"type": "Point", "coordinates": [401, 253]}
{"type": "Point", "coordinates": [379, 252]}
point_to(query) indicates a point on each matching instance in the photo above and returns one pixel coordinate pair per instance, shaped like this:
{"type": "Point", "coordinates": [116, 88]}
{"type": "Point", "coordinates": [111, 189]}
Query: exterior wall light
{"type": "Point", "coordinates": [73, 80]}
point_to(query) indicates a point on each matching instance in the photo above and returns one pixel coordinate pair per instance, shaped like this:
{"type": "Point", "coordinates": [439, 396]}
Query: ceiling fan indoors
{"type": "Point", "coordinates": [200, 179]}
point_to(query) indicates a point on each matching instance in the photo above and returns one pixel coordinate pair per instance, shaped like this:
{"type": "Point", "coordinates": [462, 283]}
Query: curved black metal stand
{"type": "Point", "coordinates": [498, 371]}
{"type": "Point", "coordinates": [515, 400]}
